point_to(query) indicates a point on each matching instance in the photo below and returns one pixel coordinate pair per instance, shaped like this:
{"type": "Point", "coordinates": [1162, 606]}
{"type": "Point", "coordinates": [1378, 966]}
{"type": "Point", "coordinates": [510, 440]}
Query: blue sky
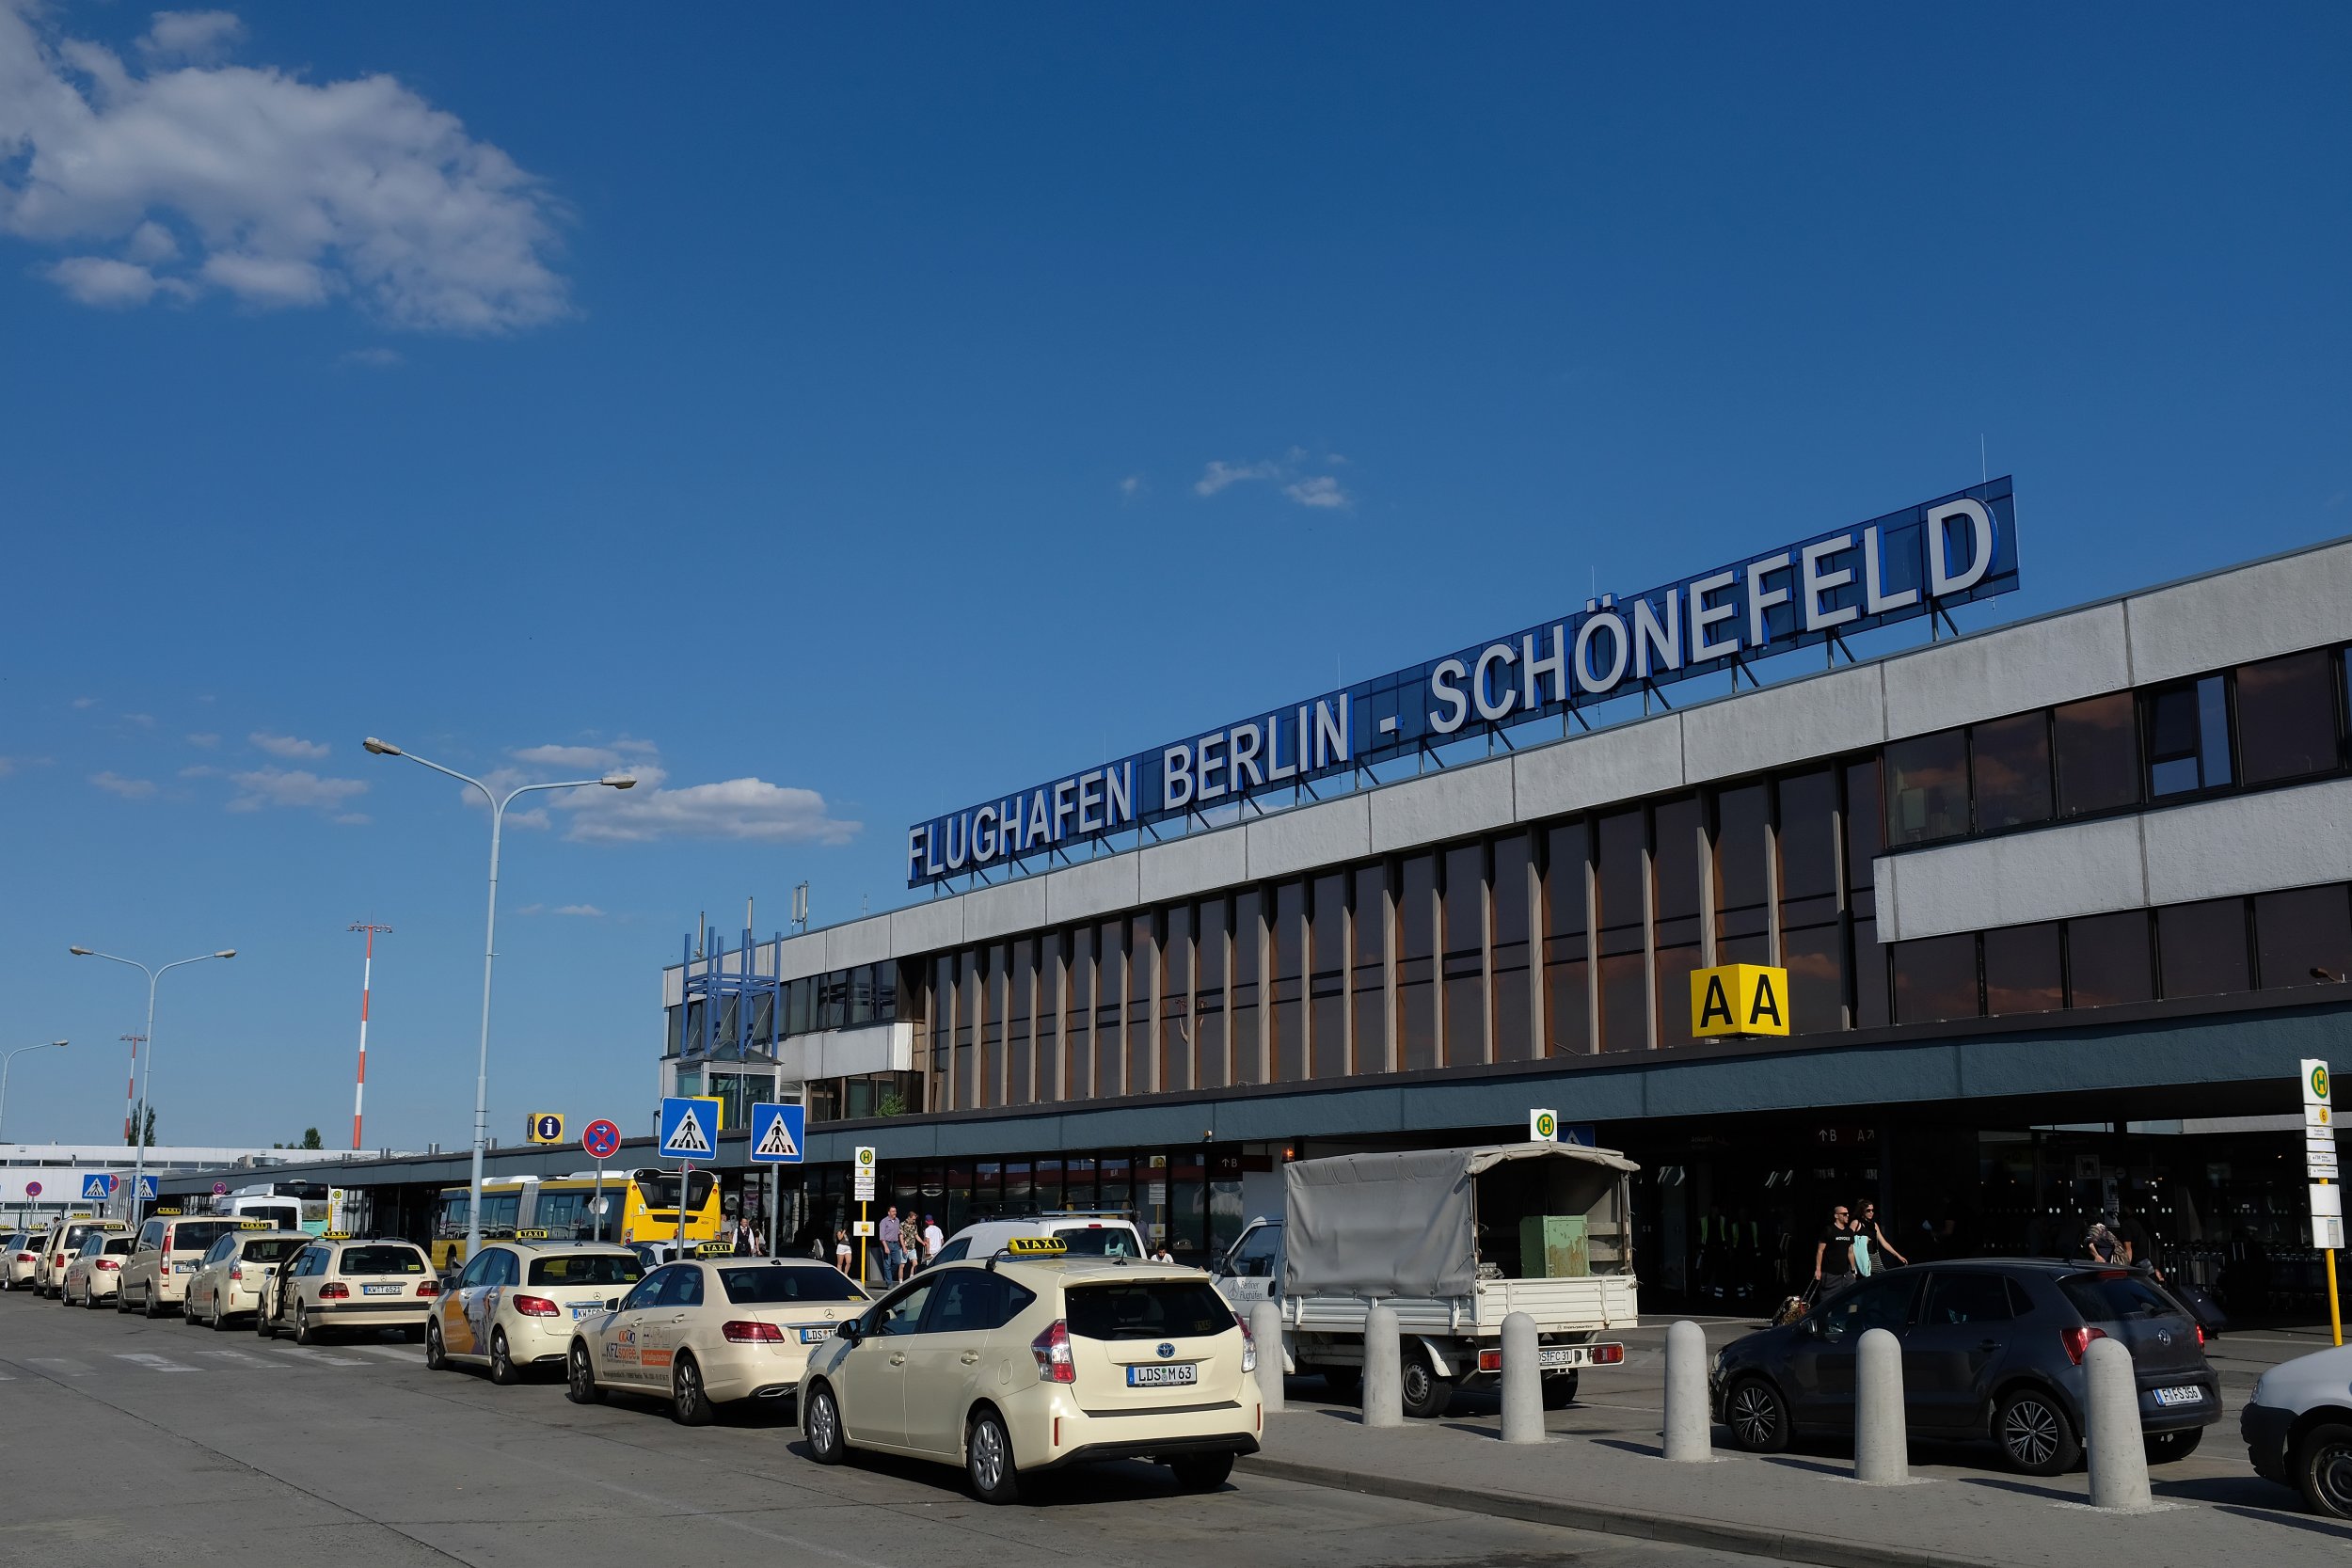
{"type": "Point", "coordinates": [821, 413]}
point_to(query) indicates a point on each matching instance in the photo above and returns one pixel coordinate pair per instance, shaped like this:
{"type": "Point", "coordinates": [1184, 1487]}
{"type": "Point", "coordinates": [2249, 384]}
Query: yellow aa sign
{"type": "Point", "coordinates": [1739, 999]}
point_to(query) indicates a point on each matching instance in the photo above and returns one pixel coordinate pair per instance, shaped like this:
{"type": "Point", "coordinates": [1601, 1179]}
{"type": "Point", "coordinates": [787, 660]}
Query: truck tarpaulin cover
{"type": "Point", "coordinates": [1403, 1225]}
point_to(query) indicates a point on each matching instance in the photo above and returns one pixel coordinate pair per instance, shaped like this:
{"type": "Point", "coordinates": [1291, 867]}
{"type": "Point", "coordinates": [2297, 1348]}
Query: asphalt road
{"type": "Point", "coordinates": [127, 1441]}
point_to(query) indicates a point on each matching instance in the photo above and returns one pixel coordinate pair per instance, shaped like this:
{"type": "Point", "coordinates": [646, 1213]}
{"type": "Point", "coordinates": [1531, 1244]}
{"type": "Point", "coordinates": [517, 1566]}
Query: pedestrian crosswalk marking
{"type": "Point", "coordinates": [688, 1136]}
{"type": "Point", "coordinates": [395, 1352]}
{"type": "Point", "coordinates": [317, 1357]}
{"type": "Point", "coordinates": [242, 1359]}
{"type": "Point", "coordinates": [154, 1363]}
{"type": "Point", "coordinates": [777, 1144]}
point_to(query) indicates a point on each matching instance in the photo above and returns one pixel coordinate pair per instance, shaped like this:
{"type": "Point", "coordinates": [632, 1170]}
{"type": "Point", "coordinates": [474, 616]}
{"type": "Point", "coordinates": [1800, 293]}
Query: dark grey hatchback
{"type": "Point", "coordinates": [1993, 1349]}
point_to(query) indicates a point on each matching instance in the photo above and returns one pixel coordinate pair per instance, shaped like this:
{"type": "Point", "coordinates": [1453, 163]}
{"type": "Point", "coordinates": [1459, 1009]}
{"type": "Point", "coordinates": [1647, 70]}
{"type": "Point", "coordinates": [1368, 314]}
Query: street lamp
{"type": "Point", "coordinates": [9, 1061]}
{"type": "Point", "coordinates": [147, 1073]}
{"type": "Point", "coordinates": [489, 951]}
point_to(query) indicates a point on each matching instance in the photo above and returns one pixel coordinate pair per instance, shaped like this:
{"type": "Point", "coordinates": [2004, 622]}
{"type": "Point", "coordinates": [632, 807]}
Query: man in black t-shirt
{"type": "Point", "coordinates": [1833, 1255]}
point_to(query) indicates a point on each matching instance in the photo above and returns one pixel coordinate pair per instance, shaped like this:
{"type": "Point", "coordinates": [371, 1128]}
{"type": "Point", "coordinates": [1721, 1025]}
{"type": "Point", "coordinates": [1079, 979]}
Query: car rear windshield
{"type": "Point", "coordinates": [781, 1284]}
{"type": "Point", "coordinates": [118, 1244]}
{"type": "Point", "coordinates": [1147, 1310]}
{"type": "Point", "coordinates": [274, 1249]}
{"type": "Point", "coordinates": [2108, 1298]}
{"type": "Point", "coordinates": [1099, 1241]}
{"type": "Point", "coordinates": [382, 1260]}
{"type": "Point", "coordinates": [71, 1238]}
{"type": "Point", "coordinates": [587, 1268]}
{"type": "Point", "coordinates": [199, 1235]}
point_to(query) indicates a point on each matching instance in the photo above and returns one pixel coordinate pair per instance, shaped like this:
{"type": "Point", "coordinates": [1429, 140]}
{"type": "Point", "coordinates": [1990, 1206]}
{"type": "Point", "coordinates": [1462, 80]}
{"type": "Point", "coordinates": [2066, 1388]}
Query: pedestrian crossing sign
{"type": "Point", "coordinates": [689, 1128]}
{"type": "Point", "coordinates": [777, 1135]}
{"type": "Point", "coordinates": [98, 1185]}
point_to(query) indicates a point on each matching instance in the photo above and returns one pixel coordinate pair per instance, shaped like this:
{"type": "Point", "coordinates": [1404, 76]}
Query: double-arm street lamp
{"type": "Point", "coordinates": [489, 951]}
{"type": "Point", "coordinates": [9, 1061]}
{"type": "Point", "coordinates": [147, 1073]}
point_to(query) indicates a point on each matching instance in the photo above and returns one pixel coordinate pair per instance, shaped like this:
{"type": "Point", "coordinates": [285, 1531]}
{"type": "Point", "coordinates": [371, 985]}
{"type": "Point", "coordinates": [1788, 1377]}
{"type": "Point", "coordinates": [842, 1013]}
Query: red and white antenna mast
{"type": "Point", "coordinates": [131, 1089]}
{"type": "Point", "coordinates": [367, 971]}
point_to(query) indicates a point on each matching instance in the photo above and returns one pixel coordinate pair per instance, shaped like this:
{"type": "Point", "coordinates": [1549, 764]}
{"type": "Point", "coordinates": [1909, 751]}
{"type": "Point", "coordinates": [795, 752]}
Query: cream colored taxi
{"type": "Point", "coordinates": [1032, 1359]}
{"type": "Point", "coordinates": [61, 1246]}
{"type": "Point", "coordinates": [513, 1306]}
{"type": "Point", "coordinates": [155, 1276]}
{"type": "Point", "coordinates": [343, 1285]}
{"type": "Point", "coordinates": [707, 1332]}
{"type": "Point", "coordinates": [96, 1273]}
{"type": "Point", "coordinates": [23, 1256]}
{"type": "Point", "coordinates": [228, 1278]}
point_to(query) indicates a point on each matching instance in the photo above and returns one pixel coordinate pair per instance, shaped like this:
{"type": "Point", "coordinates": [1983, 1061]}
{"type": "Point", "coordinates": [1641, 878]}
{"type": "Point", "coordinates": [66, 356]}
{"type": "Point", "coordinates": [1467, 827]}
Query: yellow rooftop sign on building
{"type": "Point", "coordinates": [1739, 999]}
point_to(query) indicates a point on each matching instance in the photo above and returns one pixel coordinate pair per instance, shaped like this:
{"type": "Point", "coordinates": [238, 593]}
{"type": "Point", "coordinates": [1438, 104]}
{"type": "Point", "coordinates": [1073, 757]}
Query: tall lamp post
{"type": "Point", "coordinates": [9, 1061]}
{"type": "Point", "coordinates": [489, 951]}
{"type": "Point", "coordinates": [147, 1074]}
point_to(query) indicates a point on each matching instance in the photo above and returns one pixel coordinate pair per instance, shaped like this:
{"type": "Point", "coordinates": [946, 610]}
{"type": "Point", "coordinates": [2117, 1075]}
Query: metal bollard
{"type": "Point", "coordinates": [1265, 1331]}
{"type": "Point", "coordinates": [1690, 1423]}
{"type": "Point", "coordinates": [1522, 1381]}
{"type": "Point", "coordinates": [2119, 1458]}
{"type": "Point", "coordinates": [1882, 1443]}
{"type": "Point", "coordinates": [1384, 1376]}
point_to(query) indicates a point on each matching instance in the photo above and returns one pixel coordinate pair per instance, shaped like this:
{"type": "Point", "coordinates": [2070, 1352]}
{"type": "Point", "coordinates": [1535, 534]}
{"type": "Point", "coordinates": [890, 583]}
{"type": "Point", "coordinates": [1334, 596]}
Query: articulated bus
{"type": "Point", "coordinates": [640, 1206]}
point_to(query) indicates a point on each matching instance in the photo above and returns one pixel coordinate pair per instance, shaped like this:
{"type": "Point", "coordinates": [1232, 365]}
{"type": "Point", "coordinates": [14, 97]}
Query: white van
{"type": "Point", "coordinates": [1084, 1235]}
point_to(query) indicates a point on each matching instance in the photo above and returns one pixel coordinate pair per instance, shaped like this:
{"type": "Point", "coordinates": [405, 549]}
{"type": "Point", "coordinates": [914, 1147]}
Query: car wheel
{"type": "Point", "coordinates": [303, 1333]}
{"type": "Point", "coordinates": [503, 1370]}
{"type": "Point", "coordinates": [1758, 1416]}
{"type": "Point", "coordinates": [1202, 1472]}
{"type": "Point", "coordinates": [1426, 1394]}
{"type": "Point", "coordinates": [150, 1299]}
{"type": "Point", "coordinates": [2165, 1446]}
{"type": "Point", "coordinates": [1560, 1392]}
{"type": "Point", "coordinates": [820, 1423]}
{"type": "Point", "coordinates": [2322, 1468]}
{"type": "Point", "coordinates": [436, 1354]}
{"type": "Point", "coordinates": [1344, 1383]}
{"type": "Point", "coordinates": [988, 1460]}
{"type": "Point", "coordinates": [580, 1377]}
{"type": "Point", "coordinates": [219, 1319]}
{"type": "Point", "coordinates": [261, 1324]}
{"type": "Point", "coordinates": [2036, 1434]}
{"type": "Point", "coordinates": [690, 1402]}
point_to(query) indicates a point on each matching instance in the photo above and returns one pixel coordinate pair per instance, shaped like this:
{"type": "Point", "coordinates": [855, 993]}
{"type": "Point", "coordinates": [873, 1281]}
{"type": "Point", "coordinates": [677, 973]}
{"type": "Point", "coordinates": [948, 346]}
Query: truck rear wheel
{"type": "Point", "coordinates": [1426, 1394]}
{"type": "Point", "coordinates": [1344, 1383]}
{"type": "Point", "coordinates": [1560, 1392]}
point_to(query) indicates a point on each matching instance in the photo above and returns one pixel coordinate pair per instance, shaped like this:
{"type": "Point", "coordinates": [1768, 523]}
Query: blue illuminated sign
{"type": "Point", "coordinates": [1898, 567]}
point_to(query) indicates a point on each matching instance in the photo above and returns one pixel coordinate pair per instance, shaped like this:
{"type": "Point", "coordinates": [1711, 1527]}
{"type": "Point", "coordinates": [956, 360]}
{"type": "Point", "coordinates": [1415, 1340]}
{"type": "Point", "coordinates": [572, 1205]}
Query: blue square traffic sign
{"type": "Point", "coordinates": [97, 1184]}
{"type": "Point", "coordinates": [690, 1129]}
{"type": "Point", "coordinates": [777, 1135]}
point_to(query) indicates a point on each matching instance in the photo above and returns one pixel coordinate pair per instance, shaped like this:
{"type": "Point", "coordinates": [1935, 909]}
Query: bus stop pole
{"type": "Point", "coordinates": [685, 1180]}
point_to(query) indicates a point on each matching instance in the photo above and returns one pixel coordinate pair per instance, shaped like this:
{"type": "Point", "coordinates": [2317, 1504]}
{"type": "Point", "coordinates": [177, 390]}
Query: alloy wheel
{"type": "Point", "coordinates": [987, 1456]}
{"type": "Point", "coordinates": [1754, 1415]}
{"type": "Point", "coordinates": [2030, 1431]}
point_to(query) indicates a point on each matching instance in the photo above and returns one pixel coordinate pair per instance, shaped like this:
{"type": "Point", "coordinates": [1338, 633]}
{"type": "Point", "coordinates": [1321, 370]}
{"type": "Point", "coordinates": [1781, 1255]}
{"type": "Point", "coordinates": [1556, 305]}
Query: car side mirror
{"type": "Point", "coordinates": [613, 1304]}
{"type": "Point", "coordinates": [850, 1330]}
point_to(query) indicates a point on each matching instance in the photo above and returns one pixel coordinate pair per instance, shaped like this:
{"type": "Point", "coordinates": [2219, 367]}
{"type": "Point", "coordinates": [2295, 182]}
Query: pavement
{"type": "Point", "coordinates": [1602, 1471]}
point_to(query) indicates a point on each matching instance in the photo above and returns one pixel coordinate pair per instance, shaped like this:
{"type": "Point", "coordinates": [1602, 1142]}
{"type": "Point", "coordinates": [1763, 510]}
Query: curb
{"type": "Point", "coordinates": [1752, 1540]}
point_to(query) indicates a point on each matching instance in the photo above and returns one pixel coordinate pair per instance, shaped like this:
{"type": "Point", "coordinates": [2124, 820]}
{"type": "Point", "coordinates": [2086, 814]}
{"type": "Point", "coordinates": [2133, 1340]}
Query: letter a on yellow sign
{"type": "Point", "coordinates": [1739, 999]}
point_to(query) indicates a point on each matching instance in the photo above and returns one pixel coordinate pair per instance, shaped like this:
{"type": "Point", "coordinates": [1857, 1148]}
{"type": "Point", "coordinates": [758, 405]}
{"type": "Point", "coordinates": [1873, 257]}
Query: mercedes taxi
{"type": "Point", "coordinates": [170, 1245]}
{"type": "Point", "coordinates": [705, 1332]}
{"type": "Point", "coordinates": [18, 1260]}
{"type": "Point", "coordinates": [228, 1280]}
{"type": "Point", "coordinates": [61, 1246]}
{"type": "Point", "coordinates": [1034, 1359]}
{"type": "Point", "coordinates": [513, 1306]}
{"type": "Point", "coordinates": [341, 1284]}
{"type": "Point", "coordinates": [96, 1273]}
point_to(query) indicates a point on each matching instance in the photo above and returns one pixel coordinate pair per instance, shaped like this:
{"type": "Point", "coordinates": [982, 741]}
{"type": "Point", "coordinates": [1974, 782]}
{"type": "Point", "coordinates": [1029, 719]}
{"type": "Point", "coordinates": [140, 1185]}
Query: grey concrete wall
{"type": "Point", "coordinates": [2272, 607]}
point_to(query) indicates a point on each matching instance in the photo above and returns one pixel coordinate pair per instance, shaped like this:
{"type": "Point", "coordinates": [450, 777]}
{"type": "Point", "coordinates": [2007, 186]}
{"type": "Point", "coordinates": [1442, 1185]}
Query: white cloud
{"type": "Point", "coordinates": [1320, 491]}
{"type": "Point", "coordinates": [182, 176]}
{"type": "Point", "coordinates": [204, 742]}
{"type": "Point", "coordinates": [376, 359]}
{"type": "Point", "coordinates": [129, 789]}
{"type": "Point", "coordinates": [289, 747]}
{"type": "Point", "coordinates": [587, 911]}
{"type": "Point", "coordinates": [144, 721]}
{"type": "Point", "coordinates": [85, 702]}
{"type": "Point", "coordinates": [1218, 475]}
{"type": "Point", "coordinates": [747, 809]}
{"type": "Point", "coordinates": [200, 770]}
{"type": "Point", "coordinates": [577, 757]}
{"type": "Point", "coordinates": [279, 786]}
{"type": "Point", "coordinates": [8, 766]}
{"type": "Point", "coordinates": [1131, 486]}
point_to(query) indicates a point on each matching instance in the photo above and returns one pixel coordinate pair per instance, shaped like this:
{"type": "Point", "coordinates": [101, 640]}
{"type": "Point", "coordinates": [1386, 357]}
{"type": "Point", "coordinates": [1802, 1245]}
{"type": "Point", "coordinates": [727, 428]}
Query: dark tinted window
{"type": "Point", "coordinates": [2021, 970]}
{"type": "Point", "coordinates": [684, 1288]}
{"type": "Point", "coordinates": [1099, 1241]}
{"type": "Point", "coordinates": [903, 1312]}
{"type": "Point", "coordinates": [2202, 948]}
{"type": "Point", "coordinates": [2107, 961]}
{"type": "Point", "coordinates": [2106, 1298]}
{"type": "Point", "coordinates": [648, 1291]}
{"type": "Point", "coordinates": [1883, 1303]}
{"type": "Point", "coordinates": [592, 1268]}
{"type": "Point", "coordinates": [759, 1284]}
{"type": "Point", "coordinates": [973, 1301]}
{"type": "Point", "coordinates": [196, 1235]}
{"type": "Point", "coordinates": [2097, 754]}
{"type": "Point", "coordinates": [2008, 761]}
{"type": "Point", "coordinates": [1147, 1310]}
{"type": "Point", "coordinates": [381, 1259]}
{"type": "Point", "coordinates": [2286, 717]}
{"type": "Point", "coordinates": [2303, 930]}
{"type": "Point", "coordinates": [1966, 1298]}
{"type": "Point", "coordinates": [1927, 788]}
{"type": "Point", "coordinates": [505, 1269]}
{"type": "Point", "coordinates": [2189, 737]}
{"type": "Point", "coordinates": [1935, 978]}
{"type": "Point", "coordinates": [269, 1249]}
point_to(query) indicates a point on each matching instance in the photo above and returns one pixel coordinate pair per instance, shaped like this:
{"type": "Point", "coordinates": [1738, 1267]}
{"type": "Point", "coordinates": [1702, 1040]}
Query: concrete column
{"type": "Point", "coordinates": [1384, 1376]}
{"type": "Point", "coordinates": [1266, 1330]}
{"type": "Point", "coordinates": [1522, 1382]}
{"type": "Point", "coordinates": [1881, 1451]}
{"type": "Point", "coordinates": [2119, 1460]}
{"type": "Point", "coordinates": [1689, 1425]}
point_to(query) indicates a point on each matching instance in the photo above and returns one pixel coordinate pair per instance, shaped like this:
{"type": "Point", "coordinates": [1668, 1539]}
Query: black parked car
{"type": "Point", "coordinates": [1993, 1349]}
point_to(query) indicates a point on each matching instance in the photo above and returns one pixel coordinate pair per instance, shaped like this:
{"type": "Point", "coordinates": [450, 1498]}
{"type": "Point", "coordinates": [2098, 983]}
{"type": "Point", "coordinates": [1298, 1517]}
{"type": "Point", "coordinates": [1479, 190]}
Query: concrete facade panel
{"type": "Point", "coordinates": [2008, 671]}
{"type": "Point", "coordinates": [1331, 833]}
{"type": "Point", "coordinates": [1818, 717]}
{"type": "Point", "coordinates": [999, 912]}
{"type": "Point", "coordinates": [1198, 863]}
{"type": "Point", "coordinates": [1469, 798]}
{"type": "Point", "coordinates": [1644, 758]}
{"type": "Point", "coordinates": [861, 941]}
{"type": "Point", "coordinates": [797, 958]}
{"type": "Point", "coordinates": [2087, 868]}
{"type": "Point", "coordinates": [2279, 838]}
{"type": "Point", "coordinates": [1089, 888]}
{"type": "Point", "coordinates": [2275, 607]}
{"type": "Point", "coordinates": [926, 927]}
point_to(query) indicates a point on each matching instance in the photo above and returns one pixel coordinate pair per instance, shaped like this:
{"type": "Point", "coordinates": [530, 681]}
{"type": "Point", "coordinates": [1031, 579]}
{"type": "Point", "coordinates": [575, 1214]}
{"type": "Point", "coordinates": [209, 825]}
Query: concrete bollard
{"type": "Point", "coordinates": [1384, 1375]}
{"type": "Point", "coordinates": [1522, 1381]}
{"type": "Point", "coordinates": [1881, 1442]}
{"type": "Point", "coordinates": [2119, 1457]}
{"type": "Point", "coordinates": [1689, 1422]}
{"type": "Point", "coordinates": [1265, 1332]}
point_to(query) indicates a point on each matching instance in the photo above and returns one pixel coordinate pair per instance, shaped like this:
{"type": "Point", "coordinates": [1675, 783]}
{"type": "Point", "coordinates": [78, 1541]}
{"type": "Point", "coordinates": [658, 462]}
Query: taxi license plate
{"type": "Point", "coordinates": [811, 1336]}
{"type": "Point", "coordinates": [2190, 1395]}
{"type": "Point", "coordinates": [1172, 1375]}
{"type": "Point", "coordinates": [183, 1268]}
{"type": "Point", "coordinates": [379, 1289]}
{"type": "Point", "coordinates": [1560, 1356]}
{"type": "Point", "coordinates": [583, 1308]}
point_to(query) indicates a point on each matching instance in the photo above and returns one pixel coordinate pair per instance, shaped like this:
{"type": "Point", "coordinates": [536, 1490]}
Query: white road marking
{"type": "Point", "coordinates": [60, 1365]}
{"type": "Point", "coordinates": [154, 1363]}
{"type": "Point", "coordinates": [315, 1358]}
{"type": "Point", "coordinates": [242, 1359]}
{"type": "Point", "coordinates": [395, 1353]}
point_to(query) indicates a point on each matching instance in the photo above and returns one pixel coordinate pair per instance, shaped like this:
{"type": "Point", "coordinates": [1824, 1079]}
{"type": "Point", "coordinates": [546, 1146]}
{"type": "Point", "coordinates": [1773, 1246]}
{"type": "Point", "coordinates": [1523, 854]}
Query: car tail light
{"type": "Point", "coordinates": [429, 1288]}
{"type": "Point", "coordinates": [108, 1263]}
{"type": "Point", "coordinates": [28, 1256]}
{"type": "Point", "coordinates": [1490, 1361]}
{"type": "Point", "coordinates": [745, 1331]}
{"type": "Point", "coordinates": [1052, 1350]}
{"type": "Point", "coordinates": [2200, 1334]}
{"type": "Point", "coordinates": [537, 1306]}
{"type": "Point", "coordinates": [333, 1290]}
{"type": "Point", "coordinates": [1248, 1344]}
{"type": "Point", "coordinates": [236, 1271]}
{"type": "Point", "coordinates": [2077, 1340]}
{"type": "Point", "coordinates": [1608, 1355]}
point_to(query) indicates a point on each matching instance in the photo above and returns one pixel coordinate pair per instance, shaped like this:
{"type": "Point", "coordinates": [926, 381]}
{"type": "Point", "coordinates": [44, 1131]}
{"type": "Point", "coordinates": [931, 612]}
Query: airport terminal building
{"type": "Point", "coordinates": [2062, 903]}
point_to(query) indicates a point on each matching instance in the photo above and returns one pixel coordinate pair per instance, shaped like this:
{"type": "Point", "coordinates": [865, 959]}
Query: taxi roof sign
{"type": "Point", "coordinates": [1046, 1246]}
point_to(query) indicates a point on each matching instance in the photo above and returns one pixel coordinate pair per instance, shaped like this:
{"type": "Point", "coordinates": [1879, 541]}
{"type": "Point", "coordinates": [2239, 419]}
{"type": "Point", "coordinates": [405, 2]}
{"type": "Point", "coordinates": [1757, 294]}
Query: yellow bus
{"type": "Point", "coordinates": [640, 1206]}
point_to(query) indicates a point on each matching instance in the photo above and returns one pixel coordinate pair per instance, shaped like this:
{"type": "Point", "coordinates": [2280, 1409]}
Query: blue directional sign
{"type": "Point", "coordinates": [98, 1185]}
{"type": "Point", "coordinates": [777, 1135]}
{"type": "Point", "coordinates": [690, 1129]}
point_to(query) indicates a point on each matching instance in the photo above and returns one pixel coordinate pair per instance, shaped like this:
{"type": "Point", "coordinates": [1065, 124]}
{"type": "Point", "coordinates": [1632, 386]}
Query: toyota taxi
{"type": "Point", "coordinates": [513, 1306]}
{"type": "Point", "coordinates": [22, 1255]}
{"type": "Point", "coordinates": [96, 1273]}
{"type": "Point", "coordinates": [64, 1244]}
{"type": "Point", "coordinates": [705, 1332]}
{"type": "Point", "coordinates": [228, 1280]}
{"type": "Point", "coordinates": [155, 1276]}
{"type": "Point", "coordinates": [339, 1282]}
{"type": "Point", "coordinates": [1034, 1359]}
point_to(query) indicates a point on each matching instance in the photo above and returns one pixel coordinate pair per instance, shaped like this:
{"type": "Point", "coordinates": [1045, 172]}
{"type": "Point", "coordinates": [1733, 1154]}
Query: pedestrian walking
{"type": "Point", "coordinates": [1870, 1227]}
{"type": "Point", "coordinates": [2104, 1245]}
{"type": "Point", "coordinates": [1833, 1255]}
{"type": "Point", "coordinates": [893, 1258]}
{"type": "Point", "coordinates": [933, 1238]}
{"type": "Point", "coordinates": [841, 1251]}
